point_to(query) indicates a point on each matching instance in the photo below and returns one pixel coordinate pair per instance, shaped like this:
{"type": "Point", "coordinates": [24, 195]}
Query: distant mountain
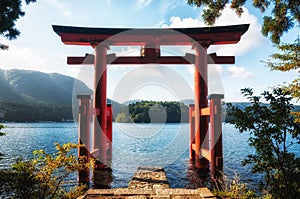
{"type": "Point", "coordinates": [131, 101]}
{"type": "Point", "coordinates": [23, 86]}
{"type": "Point", "coordinates": [35, 96]}
{"type": "Point", "coordinates": [187, 102]}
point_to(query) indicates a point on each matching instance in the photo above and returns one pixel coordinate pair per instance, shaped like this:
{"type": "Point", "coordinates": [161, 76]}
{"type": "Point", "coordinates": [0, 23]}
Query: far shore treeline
{"type": "Point", "coordinates": [31, 96]}
{"type": "Point", "coordinates": [154, 112]}
{"type": "Point", "coordinates": [137, 112]}
{"type": "Point", "coordinates": [34, 112]}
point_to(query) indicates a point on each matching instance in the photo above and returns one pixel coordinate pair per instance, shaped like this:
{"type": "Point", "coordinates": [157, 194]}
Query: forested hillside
{"type": "Point", "coordinates": [25, 86]}
{"type": "Point", "coordinates": [154, 112]}
{"type": "Point", "coordinates": [35, 96]}
{"type": "Point", "coordinates": [35, 112]}
{"type": "Point", "coordinates": [138, 111]}
{"type": "Point", "coordinates": [29, 96]}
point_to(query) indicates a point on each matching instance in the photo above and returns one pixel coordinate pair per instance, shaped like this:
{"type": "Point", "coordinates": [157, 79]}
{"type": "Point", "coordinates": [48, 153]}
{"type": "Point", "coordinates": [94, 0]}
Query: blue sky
{"type": "Point", "coordinates": [39, 48]}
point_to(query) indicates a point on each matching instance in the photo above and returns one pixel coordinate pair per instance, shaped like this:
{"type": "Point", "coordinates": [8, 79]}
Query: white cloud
{"type": "Point", "coordinates": [238, 72]}
{"type": "Point", "coordinates": [213, 69]}
{"type": "Point", "coordinates": [251, 39]}
{"type": "Point", "coordinates": [215, 84]}
{"type": "Point", "coordinates": [177, 22]}
{"type": "Point", "coordinates": [216, 68]}
{"type": "Point", "coordinates": [168, 6]}
{"type": "Point", "coordinates": [107, 2]}
{"type": "Point", "coordinates": [124, 51]}
{"type": "Point", "coordinates": [143, 3]}
{"type": "Point", "coordinates": [160, 23]}
{"type": "Point", "coordinates": [21, 58]}
{"type": "Point", "coordinates": [191, 69]}
{"type": "Point", "coordinates": [61, 6]}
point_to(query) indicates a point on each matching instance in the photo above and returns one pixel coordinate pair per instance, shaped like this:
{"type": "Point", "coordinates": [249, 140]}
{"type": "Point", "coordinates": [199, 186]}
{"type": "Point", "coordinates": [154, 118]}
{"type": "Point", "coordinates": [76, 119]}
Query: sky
{"type": "Point", "coordinates": [39, 48]}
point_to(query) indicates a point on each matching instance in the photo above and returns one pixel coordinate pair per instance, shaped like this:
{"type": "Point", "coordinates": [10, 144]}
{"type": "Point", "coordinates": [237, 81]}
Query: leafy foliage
{"type": "Point", "coordinates": [288, 60]}
{"type": "Point", "coordinates": [273, 132]}
{"type": "Point", "coordinates": [1, 134]}
{"type": "Point", "coordinates": [232, 188]}
{"type": "Point", "coordinates": [283, 16]}
{"type": "Point", "coordinates": [45, 176]}
{"type": "Point", "coordinates": [32, 112]}
{"type": "Point", "coordinates": [156, 112]}
{"type": "Point", "coordinates": [1, 127]}
{"type": "Point", "coordinates": [10, 11]}
{"type": "Point", "coordinates": [123, 117]}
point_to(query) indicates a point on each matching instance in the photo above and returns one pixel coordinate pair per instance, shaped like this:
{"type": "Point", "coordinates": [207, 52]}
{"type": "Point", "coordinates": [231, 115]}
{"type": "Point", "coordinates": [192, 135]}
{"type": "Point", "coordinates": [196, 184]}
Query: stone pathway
{"type": "Point", "coordinates": [148, 182]}
{"type": "Point", "coordinates": [149, 178]}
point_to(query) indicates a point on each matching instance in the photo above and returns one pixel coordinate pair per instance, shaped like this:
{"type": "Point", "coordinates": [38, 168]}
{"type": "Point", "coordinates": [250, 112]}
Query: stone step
{"type": "Point", "coordinates": [149, 178]}
{"type": "Point", "coordinates": [148, 182]}
{"type": "Point", "coordinates": [125, 193]}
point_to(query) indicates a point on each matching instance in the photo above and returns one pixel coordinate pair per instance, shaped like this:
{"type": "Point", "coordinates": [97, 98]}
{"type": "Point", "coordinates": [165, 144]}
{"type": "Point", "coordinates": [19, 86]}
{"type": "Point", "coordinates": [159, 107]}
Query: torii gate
{"type": "Point", "coordinates": [203, 152]}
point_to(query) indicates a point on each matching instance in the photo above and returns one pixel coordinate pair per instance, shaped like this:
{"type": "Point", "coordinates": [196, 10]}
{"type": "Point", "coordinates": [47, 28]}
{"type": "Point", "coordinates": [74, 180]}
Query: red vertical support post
{"type": "Point", "coordinates": [216, 148]}
{"type": "Point", "coordinates": [109, 132]}
{"type": "Point", "coordinates": [100, 139]}
{"type": "Point", "coordinates": [201, 92]}
{"type": "Point", "coordinates": [192, 130]}
{"type": "Point", "coordinates": [84, 135]}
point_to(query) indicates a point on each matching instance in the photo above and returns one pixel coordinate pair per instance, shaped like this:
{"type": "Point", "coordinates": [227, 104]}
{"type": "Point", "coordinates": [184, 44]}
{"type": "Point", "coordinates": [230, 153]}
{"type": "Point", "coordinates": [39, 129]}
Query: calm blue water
{"type": "Point", "coordinates": [134, 145]}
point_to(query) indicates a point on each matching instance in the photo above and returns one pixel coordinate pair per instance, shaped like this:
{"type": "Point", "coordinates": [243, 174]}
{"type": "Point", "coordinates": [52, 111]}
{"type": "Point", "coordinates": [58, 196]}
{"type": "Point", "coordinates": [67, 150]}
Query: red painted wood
{"type": "Point", "coordinates": [216, 125]}
{"type": "Point", "coordinates": [201, 92]}
{"type": "Point", "coordinates": [84, 135]}
{"type": "Point", "coordinates": [212, 138]}
{"type": "Point", "coordinates": [109, 122]}
{"type": "Point", "coordinates": [100, 121]}
{"type": "Point", "coordinates": [197, 77]}
{"type": "Point", "coordinates": [192, 130]}
{"type": "Point", "coordinates": [216, 148]}
{"type": "Point", "coordinates": [138, 39]}
{"type": "Point", "coordinates": [109, 131]}
{"type": "Point", "coordinates": [187, 59]}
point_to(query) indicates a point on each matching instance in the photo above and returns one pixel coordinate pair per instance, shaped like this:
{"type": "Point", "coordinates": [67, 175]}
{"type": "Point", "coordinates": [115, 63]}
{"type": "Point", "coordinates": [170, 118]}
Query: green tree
{"type": "Point", "coordinates": [123, 118]}
{"type": "Point", "coordinates": [10, 11]}
{"type": "Point", "coordinates": [169, 112]}
{"type": "Point", "coordinates": [45, 176]}
{"type": "Point", "coordinates": [273, 132]}
{"type": "Point", "coordinates": [1, 134]}
{"type": "Point", "coordinates": [1, 127]}
{"type": "Point", "coordinates": [287, 60]}
{"type": "Point", "coordinates": [232, 188]}
{"type": "Point", "coordinates": [283, 16]}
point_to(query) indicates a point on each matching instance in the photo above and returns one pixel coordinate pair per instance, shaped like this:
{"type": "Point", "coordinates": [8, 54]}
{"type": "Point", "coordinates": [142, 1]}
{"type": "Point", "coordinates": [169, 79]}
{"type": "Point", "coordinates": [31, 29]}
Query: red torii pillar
{"type": "Point", "coordinates": [192, 131]}
{"type": "Point", "coordinates": [84, 136]}
{"type": "Point", "coordinates": [99, 105]}
{"type": "Point", "coordinates": [215, 134]}
{"type": "Point", "coordinates": [201, 92]}
{"type": "Point", "coordinates": [109, 134]}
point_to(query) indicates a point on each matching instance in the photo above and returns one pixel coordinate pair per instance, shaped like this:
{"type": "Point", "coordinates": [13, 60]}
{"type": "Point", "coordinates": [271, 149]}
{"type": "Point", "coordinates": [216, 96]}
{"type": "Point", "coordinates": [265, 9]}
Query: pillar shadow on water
{"type": "Point", "coordinates": [197, 177]}
{"type": "Point", "coordinates": [184, 174]}
{"type": "Point", "coordinates": [102, 178]}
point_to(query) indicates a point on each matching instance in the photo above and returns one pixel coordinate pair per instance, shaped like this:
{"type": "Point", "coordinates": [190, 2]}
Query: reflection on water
{"type": "Point", "coordinates": [193, 177]}
{"type": "Point", "coordinates": [102, 179]}
{"type": "Point", "coordinates": [179, 176]}
{"type": "Point", "coordinates": [134, 145]}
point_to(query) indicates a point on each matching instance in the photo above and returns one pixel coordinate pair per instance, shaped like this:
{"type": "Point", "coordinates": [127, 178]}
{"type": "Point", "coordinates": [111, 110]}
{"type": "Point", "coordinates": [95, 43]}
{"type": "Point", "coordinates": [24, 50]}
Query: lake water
{"type": "Point", "coordinates": [133, 145]}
